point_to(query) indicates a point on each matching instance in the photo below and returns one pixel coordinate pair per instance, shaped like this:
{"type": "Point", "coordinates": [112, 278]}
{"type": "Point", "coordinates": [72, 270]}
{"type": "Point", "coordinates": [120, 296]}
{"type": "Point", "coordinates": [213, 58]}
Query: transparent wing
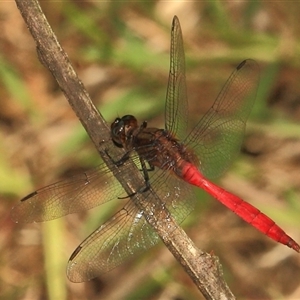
{"type": "Point", "coordinates": [127, 232]}
{"type": "Point", "coordinates": [176, 109]}
{"type": "Point", "coordinates": [79, 193]}
{"type": "Point", "coordinates": [116, 240]}
{"type": "Point", "coordinates": [217, 137]}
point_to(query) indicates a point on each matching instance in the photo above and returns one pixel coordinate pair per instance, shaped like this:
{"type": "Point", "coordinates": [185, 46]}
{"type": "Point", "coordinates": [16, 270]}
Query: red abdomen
{"type": "Point", "coordinates": [246, 211]}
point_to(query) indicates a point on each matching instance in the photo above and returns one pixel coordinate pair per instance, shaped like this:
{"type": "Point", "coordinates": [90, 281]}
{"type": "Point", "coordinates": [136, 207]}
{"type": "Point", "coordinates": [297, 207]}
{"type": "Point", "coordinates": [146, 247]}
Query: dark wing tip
{"type": "Point", "coordinates": [249, 61]}
{"type": "Point", "coordinates": [74, 254]}
{"type": "Point", "coordinates": [241, 64]}
{"type": "Point", "coordinates": [18, 213]}
{"type": "Point", "coordinates": [175, 20]}
{"type": "Point", "coordinates": [29, 196]}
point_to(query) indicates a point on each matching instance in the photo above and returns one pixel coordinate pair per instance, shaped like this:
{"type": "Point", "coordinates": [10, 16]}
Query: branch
{"type": "Point", "coordinates": [203, 268]}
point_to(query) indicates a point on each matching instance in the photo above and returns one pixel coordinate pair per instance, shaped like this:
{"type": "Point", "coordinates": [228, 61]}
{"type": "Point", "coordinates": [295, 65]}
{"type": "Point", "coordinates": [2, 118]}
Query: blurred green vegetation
{"type": "Point", "coordinates": [121, 52]}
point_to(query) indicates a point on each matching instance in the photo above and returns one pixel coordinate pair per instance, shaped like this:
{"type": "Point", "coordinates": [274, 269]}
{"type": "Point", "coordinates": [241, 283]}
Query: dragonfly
{"type": "Point", "coordinates": [171, 162]}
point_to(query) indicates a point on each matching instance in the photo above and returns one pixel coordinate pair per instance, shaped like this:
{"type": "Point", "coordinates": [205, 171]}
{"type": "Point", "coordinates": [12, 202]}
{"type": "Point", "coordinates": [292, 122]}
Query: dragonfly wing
{"type": "Point", "coordinates": [125, 234]}
{"type": "Point", "coordinates": [78, 193]}
{"type": "Point", "coordinates": [217, 137]}
{"type": "Point", "coordinates": [177, 195]}
{"type": "Point", "coordinates": [176, 109]}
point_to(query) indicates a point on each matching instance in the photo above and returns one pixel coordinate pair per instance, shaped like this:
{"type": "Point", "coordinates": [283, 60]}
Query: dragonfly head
{"type": "Point", "coordinates": [122, 130]}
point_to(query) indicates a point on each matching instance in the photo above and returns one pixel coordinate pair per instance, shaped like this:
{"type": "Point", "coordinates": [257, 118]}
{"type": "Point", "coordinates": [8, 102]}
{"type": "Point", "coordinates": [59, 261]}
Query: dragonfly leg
{"type": "Point", "coordinates": [146, 175]}
{"type": "Point", "coordinates": [120, 161]}
{"type": "Point", "coordinates": [146, 187]}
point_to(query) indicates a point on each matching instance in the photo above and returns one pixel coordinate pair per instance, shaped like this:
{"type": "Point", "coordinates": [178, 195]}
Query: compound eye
{"type": "Point", "coordinates": [117, 131]}
{"type": "Point", "coordinates": [130, 121]}
{"type": "Point", "coordinates": [115, 123]}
